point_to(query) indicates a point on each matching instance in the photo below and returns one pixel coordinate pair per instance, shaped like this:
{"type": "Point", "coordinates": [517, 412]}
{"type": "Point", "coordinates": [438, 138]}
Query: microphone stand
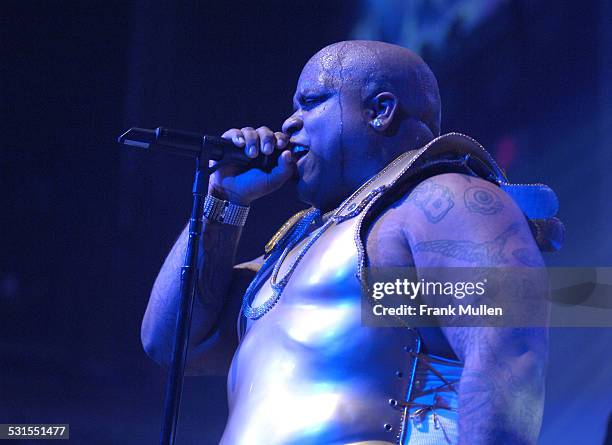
{"type": "Point", "coordinates": [203, 149]}
{"type": "Point", "coordinates": [174, 382]}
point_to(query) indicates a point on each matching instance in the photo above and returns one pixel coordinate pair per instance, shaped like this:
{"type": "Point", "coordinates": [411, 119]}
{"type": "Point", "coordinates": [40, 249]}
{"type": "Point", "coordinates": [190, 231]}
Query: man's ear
{"type": "Point", "coordinates": [381, 110]}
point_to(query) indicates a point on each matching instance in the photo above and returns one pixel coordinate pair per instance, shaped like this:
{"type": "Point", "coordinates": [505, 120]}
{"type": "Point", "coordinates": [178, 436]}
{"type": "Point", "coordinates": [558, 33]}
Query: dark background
{"type": "Point", "coordinates": [86, 224]}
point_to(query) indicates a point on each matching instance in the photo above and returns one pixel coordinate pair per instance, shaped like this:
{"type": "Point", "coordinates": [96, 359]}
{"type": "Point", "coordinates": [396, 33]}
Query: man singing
{"type": "Point", "coordinates": [384, 190]}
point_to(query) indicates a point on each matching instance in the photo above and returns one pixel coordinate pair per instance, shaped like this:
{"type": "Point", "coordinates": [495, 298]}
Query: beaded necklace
{"type": "Point", "coordinates": [276, 257]}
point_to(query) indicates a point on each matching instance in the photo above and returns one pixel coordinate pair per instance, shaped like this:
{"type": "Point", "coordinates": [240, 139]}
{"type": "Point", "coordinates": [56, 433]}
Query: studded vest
{"type": "Point", "coordinates": [307, 371]}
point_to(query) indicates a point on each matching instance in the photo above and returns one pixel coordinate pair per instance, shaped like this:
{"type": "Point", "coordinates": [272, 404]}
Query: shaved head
{"type": "Point", "coordinates": [378, 66]}
{"type": "Point", "coordinates": [357, 106]}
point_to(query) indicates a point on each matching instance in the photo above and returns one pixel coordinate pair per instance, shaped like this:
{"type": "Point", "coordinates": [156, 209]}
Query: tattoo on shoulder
{"type": "Point", "coordinates": [483, 201]}
{"type": "Point", "coordinates": [486, 252]}
{"type": "Point", "coordinates": [434, 200]}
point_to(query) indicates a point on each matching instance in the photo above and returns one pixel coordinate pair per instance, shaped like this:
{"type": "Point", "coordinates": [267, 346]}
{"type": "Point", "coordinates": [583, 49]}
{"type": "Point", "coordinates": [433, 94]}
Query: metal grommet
{"type": "Point", "coordinates": [388, 426]}
{"type": "Point", "coordinates": [393, 402]}
{"type": "Point", "coordinates": [351, 207]}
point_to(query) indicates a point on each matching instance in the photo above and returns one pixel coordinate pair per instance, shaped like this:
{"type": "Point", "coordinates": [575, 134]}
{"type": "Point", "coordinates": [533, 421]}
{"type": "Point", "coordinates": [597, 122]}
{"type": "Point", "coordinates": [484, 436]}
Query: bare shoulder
{"type": "Point", "coordinates": [458, 219]}
{"type": "Point", "coordinates": [442, 206]}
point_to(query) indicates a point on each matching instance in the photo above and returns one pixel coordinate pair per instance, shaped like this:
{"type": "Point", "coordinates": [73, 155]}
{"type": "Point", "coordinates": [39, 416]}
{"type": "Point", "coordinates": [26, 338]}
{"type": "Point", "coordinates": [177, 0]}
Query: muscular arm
{"type": "Point", "coordinates": [457, 221]}
{"type": "Point", "coordinates": [220, 286]}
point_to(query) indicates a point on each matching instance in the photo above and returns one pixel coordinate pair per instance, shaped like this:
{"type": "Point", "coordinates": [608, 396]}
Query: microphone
{"type": "Point", "coordinates": [190, 144]}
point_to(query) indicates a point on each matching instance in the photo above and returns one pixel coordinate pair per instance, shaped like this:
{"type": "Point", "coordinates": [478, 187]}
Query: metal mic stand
{"type": "Point", "coordinates": [203, 149]}
{"type": "Point", "coordinates": [174, 382]}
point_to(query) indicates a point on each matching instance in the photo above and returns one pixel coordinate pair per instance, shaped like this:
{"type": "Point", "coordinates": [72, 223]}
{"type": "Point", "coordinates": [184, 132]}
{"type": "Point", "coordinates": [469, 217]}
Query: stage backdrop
{"type": "Point", "coordinates": [86, 224]}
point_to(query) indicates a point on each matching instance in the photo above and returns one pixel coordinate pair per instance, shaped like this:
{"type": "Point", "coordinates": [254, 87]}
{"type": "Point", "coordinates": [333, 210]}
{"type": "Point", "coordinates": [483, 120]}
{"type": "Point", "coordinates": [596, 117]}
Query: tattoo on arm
{"type": "Point", "coordinates": [433, 199]}
{"type": "Point", "coordinates": [495, 388]}
{"type": "Point", "coordinates": [527, 257]}
{"type": "Point", "coordinates": [488, 252]}
{"type": "Point", "coordinates": [480, 200]}
{"type": "Point", "coordinates": [217, 255]}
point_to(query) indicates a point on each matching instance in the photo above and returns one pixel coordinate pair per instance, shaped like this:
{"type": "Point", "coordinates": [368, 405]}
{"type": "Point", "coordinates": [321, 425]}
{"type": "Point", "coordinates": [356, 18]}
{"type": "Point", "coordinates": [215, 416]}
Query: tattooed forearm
{"type": "Point", "coordinates": [434, 200]}
{"type": "Point", "coordinates": [498, 406]}
{"type": "Point", "coordinates": [217, 256]}
{"type": "Point", "coordinates": [483, 201]}
{"type": "Point", "coordinates": [217, 250]}
{"type": "Point", "coordinates": [501, 393]}
{"type": "Point", "coordinates": [488, 252]}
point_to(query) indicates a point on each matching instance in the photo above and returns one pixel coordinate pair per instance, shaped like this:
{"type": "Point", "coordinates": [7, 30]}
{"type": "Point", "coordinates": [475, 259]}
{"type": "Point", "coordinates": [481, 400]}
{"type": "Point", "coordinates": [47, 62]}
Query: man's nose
{"type": "Point", "coordinates": [292, 124]}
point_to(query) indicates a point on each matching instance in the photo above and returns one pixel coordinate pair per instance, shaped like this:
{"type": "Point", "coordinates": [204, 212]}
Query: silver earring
{"type": "Point", "coordinates": [377, 123]}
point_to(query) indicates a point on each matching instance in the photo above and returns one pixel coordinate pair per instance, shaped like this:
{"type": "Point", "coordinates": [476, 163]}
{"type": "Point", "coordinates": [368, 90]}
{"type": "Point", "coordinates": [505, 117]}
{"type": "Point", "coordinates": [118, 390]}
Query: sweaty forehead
{"type": "Point", "coordinates": [336, 67]}
{"type": "Point", "coordinates": [369, 67]}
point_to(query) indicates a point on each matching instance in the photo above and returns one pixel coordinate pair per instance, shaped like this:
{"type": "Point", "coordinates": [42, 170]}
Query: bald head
{"type": "Point", "coordinates": [357, 106]}
{"type": "Point", "coordinates": [376, 67]}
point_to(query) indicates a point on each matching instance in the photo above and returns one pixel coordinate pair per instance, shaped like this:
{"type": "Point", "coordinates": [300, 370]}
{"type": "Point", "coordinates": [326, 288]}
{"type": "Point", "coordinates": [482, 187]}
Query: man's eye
{"type": "Point", "coordinates": [312, 101]}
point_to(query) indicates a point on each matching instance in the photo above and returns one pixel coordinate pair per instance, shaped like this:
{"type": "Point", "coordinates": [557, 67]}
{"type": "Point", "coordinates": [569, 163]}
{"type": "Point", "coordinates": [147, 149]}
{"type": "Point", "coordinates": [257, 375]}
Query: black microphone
{"type": "Point", "coordinates": [190, 144]}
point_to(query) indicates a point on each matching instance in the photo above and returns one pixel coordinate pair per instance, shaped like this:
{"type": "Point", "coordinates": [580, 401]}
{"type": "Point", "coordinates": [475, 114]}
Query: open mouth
{"type": "Point", "coordinates": [299, 151]}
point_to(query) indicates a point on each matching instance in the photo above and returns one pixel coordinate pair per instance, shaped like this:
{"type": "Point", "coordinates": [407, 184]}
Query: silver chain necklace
{"type": "Point", "coordinates": [302, 227]}
{"type": "Point", "coordinates": [278, 287]}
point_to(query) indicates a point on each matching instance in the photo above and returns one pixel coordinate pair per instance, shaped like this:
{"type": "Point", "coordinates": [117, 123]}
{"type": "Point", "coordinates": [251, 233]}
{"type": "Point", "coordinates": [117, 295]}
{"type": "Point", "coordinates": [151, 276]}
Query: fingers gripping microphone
{"type": "Point", "coordinates": [185, 143]}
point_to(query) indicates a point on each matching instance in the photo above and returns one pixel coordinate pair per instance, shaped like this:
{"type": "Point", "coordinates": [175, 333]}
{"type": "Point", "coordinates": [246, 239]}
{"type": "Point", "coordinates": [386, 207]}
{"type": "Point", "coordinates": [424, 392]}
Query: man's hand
{"type": "Point", "coordinates": [235, 184]}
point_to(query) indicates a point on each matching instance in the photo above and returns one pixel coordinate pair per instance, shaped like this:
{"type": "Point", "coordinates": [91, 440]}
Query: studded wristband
{"type": "Point", "coordinates": [225, 212]}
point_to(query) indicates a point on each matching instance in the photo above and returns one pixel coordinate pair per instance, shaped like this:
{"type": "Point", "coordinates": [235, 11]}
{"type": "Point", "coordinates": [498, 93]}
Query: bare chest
{"type": "Point", "coordinates": [311, 352]}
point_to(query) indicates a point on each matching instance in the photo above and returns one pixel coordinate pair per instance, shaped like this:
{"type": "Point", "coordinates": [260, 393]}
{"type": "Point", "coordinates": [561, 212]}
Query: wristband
{"type": "Point", "coordinates": [225, 212]}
